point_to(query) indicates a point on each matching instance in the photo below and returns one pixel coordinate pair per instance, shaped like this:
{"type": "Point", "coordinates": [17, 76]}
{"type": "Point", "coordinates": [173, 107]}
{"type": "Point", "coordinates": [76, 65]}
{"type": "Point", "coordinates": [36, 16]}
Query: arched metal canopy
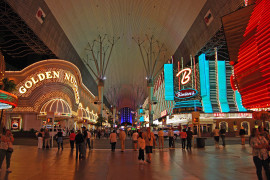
{"type": "Point", "coordinates": [83, 21]}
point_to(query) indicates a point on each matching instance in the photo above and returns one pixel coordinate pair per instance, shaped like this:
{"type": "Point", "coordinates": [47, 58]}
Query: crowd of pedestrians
{"type": "Point", "coordinates": [144, 141]}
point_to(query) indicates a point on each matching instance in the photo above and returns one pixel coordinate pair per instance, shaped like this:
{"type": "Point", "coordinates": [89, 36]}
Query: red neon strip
{"type": "Point", "coordinates": [179, 76]}
{"type": "Point", "coordinates": [254, 58]}
{"type": "Point", "coordinates": [5, 92]}
{"type": "Point", "coordinates": [8, 102]}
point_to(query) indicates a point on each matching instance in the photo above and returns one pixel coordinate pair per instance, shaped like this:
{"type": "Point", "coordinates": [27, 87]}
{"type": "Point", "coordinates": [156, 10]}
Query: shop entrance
{"type": "Point", "coordinates": [245, 124]}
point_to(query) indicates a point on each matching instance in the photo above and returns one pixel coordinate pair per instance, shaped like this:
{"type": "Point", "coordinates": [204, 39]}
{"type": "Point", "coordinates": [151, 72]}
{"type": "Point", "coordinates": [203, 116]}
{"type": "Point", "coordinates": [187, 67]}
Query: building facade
{"type": "Point", "coordinates": [51, 93]}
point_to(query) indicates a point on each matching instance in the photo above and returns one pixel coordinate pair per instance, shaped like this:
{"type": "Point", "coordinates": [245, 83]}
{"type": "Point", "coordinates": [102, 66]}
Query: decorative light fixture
{"type": "Point", "coordinates": [7, 100]}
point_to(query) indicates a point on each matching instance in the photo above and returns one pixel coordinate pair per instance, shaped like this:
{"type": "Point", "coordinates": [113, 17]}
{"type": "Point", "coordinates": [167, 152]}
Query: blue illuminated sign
{"type": "Point", "coordinates": [142, 117]}
{"type": "Point", "coordinates": [168, 81]}
{"type": "Point", "coordinates": [238, 99]}
{"type": "Point", "coordinates": [205, 84]}
{"type": "Point", "coordinates": [222, 88]}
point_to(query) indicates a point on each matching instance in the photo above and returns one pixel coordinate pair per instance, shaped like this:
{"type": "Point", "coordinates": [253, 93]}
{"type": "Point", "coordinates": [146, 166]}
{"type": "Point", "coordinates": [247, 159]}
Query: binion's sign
{"type": "Point", "coordinates": [186, 93]}
{"type": "Point", "coordinates": [186, 75]}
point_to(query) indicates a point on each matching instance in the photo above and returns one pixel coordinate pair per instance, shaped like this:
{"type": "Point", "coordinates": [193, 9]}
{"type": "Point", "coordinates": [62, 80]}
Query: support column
{"type": "Point", "coordinates": [114, 113]}
{"type": "Point", "coordinates": [150, 87]}
{"type": "Point", "coordinates": [100, 96]}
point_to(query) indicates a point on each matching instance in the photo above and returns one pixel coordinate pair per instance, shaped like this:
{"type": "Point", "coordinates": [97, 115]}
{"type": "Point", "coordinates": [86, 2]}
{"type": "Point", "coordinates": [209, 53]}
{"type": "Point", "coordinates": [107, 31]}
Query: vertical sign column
{"type": "Point", "coordinates": [168, 80]}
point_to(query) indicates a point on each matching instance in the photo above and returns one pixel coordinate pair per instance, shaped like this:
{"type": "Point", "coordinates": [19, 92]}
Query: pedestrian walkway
{"type": "Point", "coordinates": [233, 162]}
{"type": "Point", "coordinates": [104, 143]}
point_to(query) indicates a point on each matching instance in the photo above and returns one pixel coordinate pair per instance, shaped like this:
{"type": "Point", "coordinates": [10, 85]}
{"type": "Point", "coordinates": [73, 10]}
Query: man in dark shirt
{"type": "Point", "coordinates": [79, 143]}
{"type": "Point", "coordinates": [222, 134]}
{"type": "Point", "coordinates": [59, 139]}
{"type": "Point", "coordinates": [189, 138]}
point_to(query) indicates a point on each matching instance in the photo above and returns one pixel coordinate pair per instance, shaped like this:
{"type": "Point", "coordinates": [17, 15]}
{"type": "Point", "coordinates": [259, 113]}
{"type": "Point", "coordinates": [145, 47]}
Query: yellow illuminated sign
{"type": "Point", "coordinates": [58, 76]}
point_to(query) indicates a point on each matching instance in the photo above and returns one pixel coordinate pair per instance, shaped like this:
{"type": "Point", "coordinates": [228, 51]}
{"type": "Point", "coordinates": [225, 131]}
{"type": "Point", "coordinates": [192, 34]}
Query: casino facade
{"type": "Point", "coordinates": [51, 91]}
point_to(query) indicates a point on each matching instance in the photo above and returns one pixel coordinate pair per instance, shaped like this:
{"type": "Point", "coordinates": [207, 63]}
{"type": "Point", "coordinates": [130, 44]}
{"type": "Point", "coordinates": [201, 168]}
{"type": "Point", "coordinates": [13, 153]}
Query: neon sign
{"type": "Point", "coordinates": [164, 113]}
{"type": "Point", "coordinates": [59, 75]}
{"type": "Point", "coordinates": [219, 114]}
{"type": "Point", "coordinates": [40, 77]}
{"type": "Point", "coordinates": [186, 93]}
{"type": "Point", "coordinates": [186, 75]}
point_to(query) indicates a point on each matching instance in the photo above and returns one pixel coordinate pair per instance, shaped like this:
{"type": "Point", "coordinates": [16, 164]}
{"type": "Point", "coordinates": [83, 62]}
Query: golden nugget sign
{"type": "Point", "coordinates": [58, 75]}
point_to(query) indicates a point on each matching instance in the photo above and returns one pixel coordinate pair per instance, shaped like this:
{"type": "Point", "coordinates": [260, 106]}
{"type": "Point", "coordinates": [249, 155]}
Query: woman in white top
{"type": "Point", "coordinates": [141, 143]}
{"type": "Point", "coordinates": [113, 140]}
{"type": "Point", "coordinates": [160, 138]}
{"type": "Point", "coordinates": [135, 140]}
{"type": "Point", "coordinates": [6, 148]}
{"type": "Point", "coordinates": [40, 139]}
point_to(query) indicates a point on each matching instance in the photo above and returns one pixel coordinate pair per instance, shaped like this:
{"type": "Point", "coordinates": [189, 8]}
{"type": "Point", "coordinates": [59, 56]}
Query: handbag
{"type": "Point", "coordinates": [10, 150]}
{"type": "Point", "coordinates": [268, 148]}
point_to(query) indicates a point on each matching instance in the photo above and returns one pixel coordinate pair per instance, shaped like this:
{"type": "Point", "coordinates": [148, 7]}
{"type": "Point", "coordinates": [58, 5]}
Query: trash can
{"type": "Point", "coordinates": [200, 142]}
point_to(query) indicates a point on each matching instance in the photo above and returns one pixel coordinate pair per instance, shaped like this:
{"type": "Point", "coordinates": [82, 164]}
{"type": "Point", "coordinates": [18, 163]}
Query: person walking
{"type": "Point", "coordinates": [183, 136]}
{"type": "Point", "coordinates": [106, 133]}
{"type": "Point", "coordinates": [88, 138]}
{"type": "Point", "coordinates": [40, 139]}
{"type": "Point", "coordinates": [6, 149]}
{"type": "Point", "coordinates": [83, 148]}
{"type": "Point", "coordinates": [263, 132]}
{"type": "Point", "coordinates": [216, 136]}
{"type": "Point", "coordinates": [171, 140]}
{"type": "Point", "coordinates": [113, 140]}
{"type": "Point", "coordinates": [60, 139]}
{"type": "Point", "coordinates": [160, 138]}
{"type": "Point", "coordinates": [222, 135]}
{"type": "Point", "coordinates": [47, 139]}
{"type": "Point", "coordinates": [141, 143]}
{"type": "Point", "coordinates": [135, 140]}
{"type": "Point", "coordinates": [260, 154]}
{"type": "Point", "coordinates": [72, 139]}
{"type": "Point", "coordinates": [150, 141]}
{"type": "Point", "coordinates": [95, 134]}
{"type": "Point", "coordinates": [122, 137]}
{"type": "Point", "coordinates": [99, 134]}
{"type": "Point", "coordinates": [242, 133]}
{"type": "Point", "coordinates": [79, 145]}
{"type": "Point", "coordinates": [189, 138]}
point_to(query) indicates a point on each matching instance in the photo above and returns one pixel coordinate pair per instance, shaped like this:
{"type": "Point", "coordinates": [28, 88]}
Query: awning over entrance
{"type": "Point", "coordinates": [59, 106]}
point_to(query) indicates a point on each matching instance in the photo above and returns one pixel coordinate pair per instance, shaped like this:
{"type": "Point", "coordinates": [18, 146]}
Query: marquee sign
{"type": "Point", "coordinates": [50, 75]}
{"type": "Point", "coordinates": [186, 93]}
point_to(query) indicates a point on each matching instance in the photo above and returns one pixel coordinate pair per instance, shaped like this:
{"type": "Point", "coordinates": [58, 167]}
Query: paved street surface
{"type": "Point", "coordinates": [233, 162]}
